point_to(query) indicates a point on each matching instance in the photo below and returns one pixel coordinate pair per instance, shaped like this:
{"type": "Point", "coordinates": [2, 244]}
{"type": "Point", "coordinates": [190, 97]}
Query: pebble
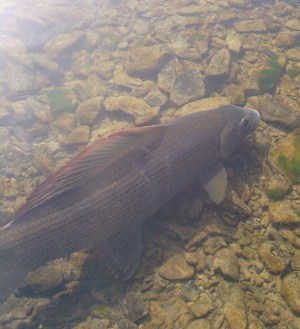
{"type": "Point", "coordinates": [275, 255]}
{"type": "Point", "coordinates": [199, 324]}
{"type": "Point", "coordinates": [202, 307]}
{"type": "Point", "coordinates": [291, 290]}
{"type": "Point", "coordinates": [189, 292]}
{"type": "Point", "coordinates": [176, 268]}
{"type": "Point", "coordinates": [226, 263]}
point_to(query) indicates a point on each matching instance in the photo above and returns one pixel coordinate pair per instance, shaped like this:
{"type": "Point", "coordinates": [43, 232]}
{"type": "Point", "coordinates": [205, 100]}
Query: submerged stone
{"type": "Point", "coordinates": [291, 290]}
{"type": "Point", "coordinates": [176, 268]}
{"type": "Point", "coordinates": [219, 64]}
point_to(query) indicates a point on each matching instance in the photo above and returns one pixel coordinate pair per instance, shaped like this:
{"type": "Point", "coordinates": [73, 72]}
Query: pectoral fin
{"type": "Point", "coordinates": [123, 253]}
{"type": "Point", "coordinates": [214, 181]}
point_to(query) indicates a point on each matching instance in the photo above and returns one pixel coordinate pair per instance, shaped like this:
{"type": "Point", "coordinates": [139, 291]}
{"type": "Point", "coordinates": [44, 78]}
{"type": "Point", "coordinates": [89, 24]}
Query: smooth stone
{"type": "Point", "coordinates": [287, 38]}
{"type": "Point", "coordinates": [146, 61]}
{"type": "Point", "coordinates": [286, 112]}
{"type": "Point", "coordinates": [202, 105]}
{"type": "Point", "coordinates": [291, 290]}
{"type": "Point", "coordinates": [156, 98]}
{"type": "Point", "coordinates": [275, 255]}
{"type": "Point", "coordinates": [219, 64]}
{"type": "Point", "coordinates": [168, 74]}
{"type": "Point", "coordinates": [283, 213]}
{"type": "Point", "coordinates": [233, 42]}
{"type": "Point", "coordinates": [199, 324]}
{"type": "Point", "coordinates": [239, 3]}
{"type": "Point", "coordinates": [43, 159]}
{"type": "Point", "coordinates": [202, 307]}
{"type": "Point", "coordinates": [295, 261]}
{"type": "Point", "coordinates": [138, 108]}
{"type": "Point", "coordinates": [79, 135]}
{"type": "Point", "coordinates": [293, 24]}
{"type": "Point", "coordinates": [226, 263]}
{"type": "Point", "coordinates": [251, 26]}
{"type": "Point", "coordinates": [62, 43]}
{"type": "Point", "coordinates": [89, 110]}
{"type": "Point", "coordinates": [65, 122]}
{"type": "Point", "coordinates": [234, 306]}
{"type": "Point", "coordinates": [176, 268]}
{"type": "Point", "coordinates": [293, 54]}
{"type": "Point", "coordinates": [187, 87]}
{"type": "Point", "coordinates": [277, 186]}
{"type": "Point", "coordinates": [95, 86]}
{"type": "Point", "coordinates": [134, 307]}
{"type": "Point", "coordinates": [189, 292]}
{"type": "Point", "coordinates": [81, 65]}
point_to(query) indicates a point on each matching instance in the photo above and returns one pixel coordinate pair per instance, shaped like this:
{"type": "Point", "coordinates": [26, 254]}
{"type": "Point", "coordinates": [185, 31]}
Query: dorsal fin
{"type": "Point", "coordinates": [90, 161]}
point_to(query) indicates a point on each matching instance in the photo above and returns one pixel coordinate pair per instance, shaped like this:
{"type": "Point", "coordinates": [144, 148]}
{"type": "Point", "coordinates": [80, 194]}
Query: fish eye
{"type": "Point", "coordinates": [245, 123]}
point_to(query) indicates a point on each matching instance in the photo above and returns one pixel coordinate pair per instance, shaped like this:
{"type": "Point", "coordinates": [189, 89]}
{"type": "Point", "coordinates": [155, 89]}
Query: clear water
{"type": "Point", "coordinates": [73, 71]}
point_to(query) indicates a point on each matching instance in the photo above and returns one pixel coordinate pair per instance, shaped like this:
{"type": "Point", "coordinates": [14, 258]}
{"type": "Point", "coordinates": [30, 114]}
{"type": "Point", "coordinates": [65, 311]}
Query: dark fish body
{"type": "Point", "coordinates": [105, 193]}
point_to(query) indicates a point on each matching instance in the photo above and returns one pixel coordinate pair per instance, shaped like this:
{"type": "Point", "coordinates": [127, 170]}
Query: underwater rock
{"type": "Point", "coordinates": [219, 64]}
{"type": "Point", "coordinates": [275, 255]}
{"type": "Point", "coordinates": [43, 159]}
{"type": "Point", "coordinates": [291, 290]}
{"type": "Point", "coordinates": [176, 268]}
{"type": "Point", "coordinates": [134, 307]}
{"type": "Point", "coordinates": [233, 42]}
{"type": "Point", "coordinates": [79, 135]}
{"type": "Point", "coordinates": [287, 38]}
{"type": "Point", "coordinates": [283, 213]}
{"type": "Point", "coordinates": [89, 110]}
{"type": "Point", "coordinates": [121, 78]}
{"type": "Point", "coordinates": [81, 66]}
{"type": "Point", "coordinates": [146, 61]}
{"type": "Point", "coordinates": [295, 261]}
{"type": "Point", "coordinates": [293, 54]}
{"type": "Point", "coordinates": [226, 263]}
{"type": "Point", "coordinates": [239, 3]}
{"type": "Point", "coordinates": [63, 43]}
{"type": "Point", "coordinates": [156, 98]}
{"type": "Point", "coordinates": [203, 306]}
{"type": "Point", "coordinates": [275, 112]}
{"type": "Point", "coordinates": [95, 86]}
{"type": "Point", "coordinates": [251, 26]}
{"type": "Point", "coordinates": [234, 306]}
{"type": "Point", "coordinates": [65, 122]}
{"type": "Point", "coordinates": [138, 108]}
{"type": "Point", "coordinates": [168, 74]}
{"type": "Point", "coordinates": [61, 100]}
{"type": "Point", "coordinates": [189, 292]}
{"type": "Point", "coordinates": [187, 87]}
{"type": "Point", "coordinates": [277, 186]}
{"type": "Point", "coordinates": [199, 324]}
{"type": "Point", "coordinates": [285, 155]}
{"type": "Point", "coordinates": [202, 105]}
{"type": "Point", "coordinates": [190, 45]}
{"type": "Point", "coordinates": [236, 94]}
{"type": "Point", "coordinates": [293, 24]}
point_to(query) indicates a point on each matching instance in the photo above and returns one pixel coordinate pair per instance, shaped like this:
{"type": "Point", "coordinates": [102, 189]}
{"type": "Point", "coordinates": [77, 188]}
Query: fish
{"type": "Point", "coordinates": [106, 192]}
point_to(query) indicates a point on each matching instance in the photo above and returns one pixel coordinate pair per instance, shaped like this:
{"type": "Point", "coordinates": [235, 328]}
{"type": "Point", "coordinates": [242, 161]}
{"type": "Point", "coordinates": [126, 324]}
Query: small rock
{"type": "Point", "coordinates": [187, 87]}
{"type": "Point", "coordinates": [273, 111]}
{"type": "Point", "coordinates": [202, 105]}
{"type": "Point", "coordinates": [239, 3]}
{"type": "Point", "coordinates": [43, 159]}
{"type": "Point", "coordinates": [88, 111]}
{"type": "Point", "coordinates": [176, 268]}
{"type": "Point", "coordinates": [219, 64]}
{"type": "Point", "coordinates": [156, 98]}
{"type": "Point", "coordinates": [277, 186]}
{"type": "Point", "coordinates": [291, 290]}
{"type": "Point", "coordinates": [203, 307]}
{"type": "Point", "coordinates": [283, 213]}
{"type": "Point", "coordinates": [134, 307]}
{"type": "Point", "coordinates": [79, 135]}
{"type": "Point", "coordinates": [138, 108]}
{"type": "Point", "coordinates": [287, 38]}
{"type": "Point", "coordinates": [233, 42]}
{"type": "Point", "coordinates": [275, 255]}
{"type": "Point", "coordinates": [252, 26]}
{"type": "Point", "coordinates": [65, 122]}
{"type": "Point", "coordinates": [62, 43]}
{"type": "Point", "coordinates": [199, 324]}
{"type": "Point", "coordinates": [295, 261]}
{"type": "Point", "coordinates": [168, 74]}
{"type": "Point", "coordinates": [146, 61]}
{"type": "Point", "coordinates": [226, 263]}
{"type": "Point", "coordinates": [236, 94]}
{"type": "Point", "coordinates": [189, 292]}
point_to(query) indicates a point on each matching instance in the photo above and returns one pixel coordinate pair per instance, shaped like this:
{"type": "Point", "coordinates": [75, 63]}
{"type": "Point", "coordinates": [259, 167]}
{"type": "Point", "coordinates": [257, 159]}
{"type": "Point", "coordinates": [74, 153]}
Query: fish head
{"type": "Point", "coordinates": [237, 124]}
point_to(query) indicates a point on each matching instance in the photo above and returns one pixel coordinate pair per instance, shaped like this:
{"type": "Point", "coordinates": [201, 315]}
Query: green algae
{"type": "Point", "coordinates": [60, 100]}
{"type": "Point", "coordinates": [268, 76]}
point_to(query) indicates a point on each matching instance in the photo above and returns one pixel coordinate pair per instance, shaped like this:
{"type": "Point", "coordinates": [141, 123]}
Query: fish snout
{"type": "Point", "coordinates": [255, 117]}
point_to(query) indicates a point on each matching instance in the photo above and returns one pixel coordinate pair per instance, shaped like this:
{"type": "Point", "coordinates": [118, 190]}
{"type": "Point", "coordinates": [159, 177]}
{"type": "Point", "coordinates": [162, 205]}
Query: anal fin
{"type": "Point", "coordinates": [214, 181]}
{"type": "Point", "coordinates": [123, 253]}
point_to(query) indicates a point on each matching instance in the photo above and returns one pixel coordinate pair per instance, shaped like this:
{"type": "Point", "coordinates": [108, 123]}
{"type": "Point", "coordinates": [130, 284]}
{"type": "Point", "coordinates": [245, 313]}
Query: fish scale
{"type": "Point", "coordinates": [96, 200]}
